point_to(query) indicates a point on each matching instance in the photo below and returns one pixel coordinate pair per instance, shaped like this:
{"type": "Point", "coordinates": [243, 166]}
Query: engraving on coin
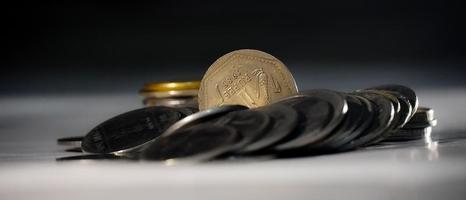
{"type": "Point", "coordinates": [246, 77]}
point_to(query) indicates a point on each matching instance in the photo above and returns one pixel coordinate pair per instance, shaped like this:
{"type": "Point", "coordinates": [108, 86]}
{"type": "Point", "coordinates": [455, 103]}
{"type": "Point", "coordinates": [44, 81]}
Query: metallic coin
{"type": "Point", "coordinates": [92, 157]}
{"type": "Point", "coordinates": [396, 105]}
{"type": "Point", "coordinates": [348, 128]}
{"type": "Point", "coordinates": [170, 86]}
{"type": "Point", "coordinates": [202, 116]}
{"type": "Point", "coordinates": [409, 134]}
{"type": "Point", "coordinates": [424, 117]}
{"type": "Point", "coordinates": [171, 94]}
{"type": "Point", "coordinates": [384, 113]}
{"type": "Point", "coordinates": [245, 77]}
{"type": "Point", "coordinates": [251, 124]}
{"type": "Point", "coordinates": [406, 111]}
{"type": "Point", "coordinates": [283, 119]}
{"type": "Point", "coordinates": [403, 90]}
{"type": "Point", "coordinates": [320, 112]}
{"type": "Point", "coordinates": [171, 102]}
{"type": "Point", "coordinates": [200, 142]}
{"type": "Point", "coordinates": [70, 141]}
{"type": "Point", "coordinates": [130, 130]}
{"type": "Point", "coordinates": [425, 124]}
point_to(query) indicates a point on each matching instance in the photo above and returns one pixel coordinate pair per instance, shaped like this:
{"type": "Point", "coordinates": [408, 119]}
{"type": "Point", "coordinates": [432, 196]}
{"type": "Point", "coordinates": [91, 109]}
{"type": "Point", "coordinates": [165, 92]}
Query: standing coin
{"type": "Point", "coordinates": [245, 77]}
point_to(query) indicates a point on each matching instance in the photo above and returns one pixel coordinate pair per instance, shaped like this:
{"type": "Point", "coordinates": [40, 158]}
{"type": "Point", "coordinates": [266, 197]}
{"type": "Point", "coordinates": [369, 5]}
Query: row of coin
{"type": "Point", "coordinates": [315, 121]}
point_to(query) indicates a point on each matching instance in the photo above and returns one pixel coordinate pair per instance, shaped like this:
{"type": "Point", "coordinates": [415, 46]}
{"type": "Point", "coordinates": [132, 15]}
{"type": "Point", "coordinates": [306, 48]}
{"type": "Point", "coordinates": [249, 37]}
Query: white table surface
{"type": "Point", "coordinates": [30, 125]}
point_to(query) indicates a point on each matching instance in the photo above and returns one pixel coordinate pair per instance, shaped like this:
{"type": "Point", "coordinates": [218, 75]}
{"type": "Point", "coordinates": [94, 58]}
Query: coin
{"type": "Point", "coordinates": [347, 129]}
{"type": "Point", "coordinates": [200, 142]}
{"type": "Point", "coordinates": [320, 112]}
{"type": "Point", "coordinates": [170, 94]}
{"type": "Point", "coordinates": [130, 130]}
{"type": "Point", "coordinates": [403, 90]}
{"type": "Point", "coordinates": [70, 141]}
{"type": "Point", "coordinates": [202, 116]}
{"type": "Point", "coordinates": [396, 105]}
{"type": "Point", "coordinates": [406, 111]}
{"type": "Point", "coordinates": [250, 124]}
{"type": "Point", "coordinates": [424, 117]}
{"type": "Point", "coordinates": [409, 134]}
{"type": "Point", "coordinates": [245, 77]}
{"type": "Point", "coordinates": [384, 113]}
{"type": "Point", "coordinates": [283, 119]}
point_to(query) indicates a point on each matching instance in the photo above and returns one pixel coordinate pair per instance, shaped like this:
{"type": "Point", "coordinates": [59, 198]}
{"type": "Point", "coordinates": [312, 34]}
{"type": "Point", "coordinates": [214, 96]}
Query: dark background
{"type": "Point", "coordinates": [72, 48]}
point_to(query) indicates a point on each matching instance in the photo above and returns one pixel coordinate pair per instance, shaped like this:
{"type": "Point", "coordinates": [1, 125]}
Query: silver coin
{"type": "Point", "coordinates": [130, 130]}
{"type": "Point", "coordinates": [202, 116]}
{"type": "Point", "coordinates": [406, 111]}
{"type": "Point", "coordinates": [319, 111]}
{"type": "Point", "coordinates": [197, 143]}
{"type": "Point", "coordinates": [409, 134]}
{"type": "Point", "coordinates": [283, 119]}
{"type": "Point", "coordinates": [396, 105]}
{"type": "Point", "coordinates": [424, 117]}
{"type": "Point", "coordinates": [403, 90]}
{"type": "Point", "coordinates": [250, 124]}
{"type": "Point", "coordinates": [70, 141]}
{"type": "Point", "coordinates": [379, 127]}
{"type": "Point", "coordinates": [346, 131]}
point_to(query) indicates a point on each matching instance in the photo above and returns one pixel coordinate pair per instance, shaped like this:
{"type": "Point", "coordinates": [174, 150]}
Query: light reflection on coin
{"type": "Point", "coordinates": [245, 77]}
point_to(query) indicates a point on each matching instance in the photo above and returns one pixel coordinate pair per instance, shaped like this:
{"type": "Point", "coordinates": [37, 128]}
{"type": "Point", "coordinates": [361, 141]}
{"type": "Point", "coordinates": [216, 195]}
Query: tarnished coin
{"type": "Point", "coordinates": [245, 77]}
{"type": "Point", "coordinates": [251, 124]}
{"type": "Point", "coordinates": [70, 141]}
{"type": "Point", "coordinates": [320, 112]}
{"type": "Point", "coordinates": [283, 119]}
{"type": "Point", "coordinates": [130, 130]}
{"type": "Point", "coordinates": [199, 143]}
{"type": "Point", "coordinates": [202, 116]}
{"type": "Point", "coordinates": [403, 90]}
{"type": "Point", "coordinates": [379, 127]}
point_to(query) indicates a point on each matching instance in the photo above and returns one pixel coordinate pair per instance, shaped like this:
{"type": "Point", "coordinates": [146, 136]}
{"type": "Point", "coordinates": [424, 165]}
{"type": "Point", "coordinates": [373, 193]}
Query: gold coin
{"type": "Point", "coordinates": [246, 77]}
{"type": "Point", "coordinates": [169, 86]}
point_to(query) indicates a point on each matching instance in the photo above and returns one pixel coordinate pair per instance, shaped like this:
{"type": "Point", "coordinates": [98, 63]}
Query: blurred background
{"type": "Point", "coordinates": [75, 48]}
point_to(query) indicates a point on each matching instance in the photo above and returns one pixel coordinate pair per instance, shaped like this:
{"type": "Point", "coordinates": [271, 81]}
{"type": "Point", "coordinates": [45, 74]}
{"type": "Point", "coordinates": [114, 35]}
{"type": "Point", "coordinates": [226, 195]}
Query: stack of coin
{"type": "Point", "coordinates": [250, 106]}
{"type": "Point", "coordinates": [418, 127]}
{"type": "Point", "coordinates": [171, 94]}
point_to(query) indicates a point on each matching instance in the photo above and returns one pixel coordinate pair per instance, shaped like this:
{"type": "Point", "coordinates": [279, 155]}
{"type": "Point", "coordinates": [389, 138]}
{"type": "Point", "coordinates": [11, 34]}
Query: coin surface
{"type": "Point", "coordinates": [250, 124]}
{"type": "Point", "coordinates": [383, 120]}
{"type": "Point", "coordinates": [284, 120]}
{"type": "Point", "coordinates": [200, 142]}
{"type": "Point", "coordinates": [245, 77]}
{"type": "Point", "coordinates": [320, 112]}
{"type": "Point", "coordinates": [345, 131]}
{"type": "Point", "coordinates": [403, 90]}
{"type": "Point", "coordinates": [130, 130]}
{"type": "Point", "coordinates": [202, 116]}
